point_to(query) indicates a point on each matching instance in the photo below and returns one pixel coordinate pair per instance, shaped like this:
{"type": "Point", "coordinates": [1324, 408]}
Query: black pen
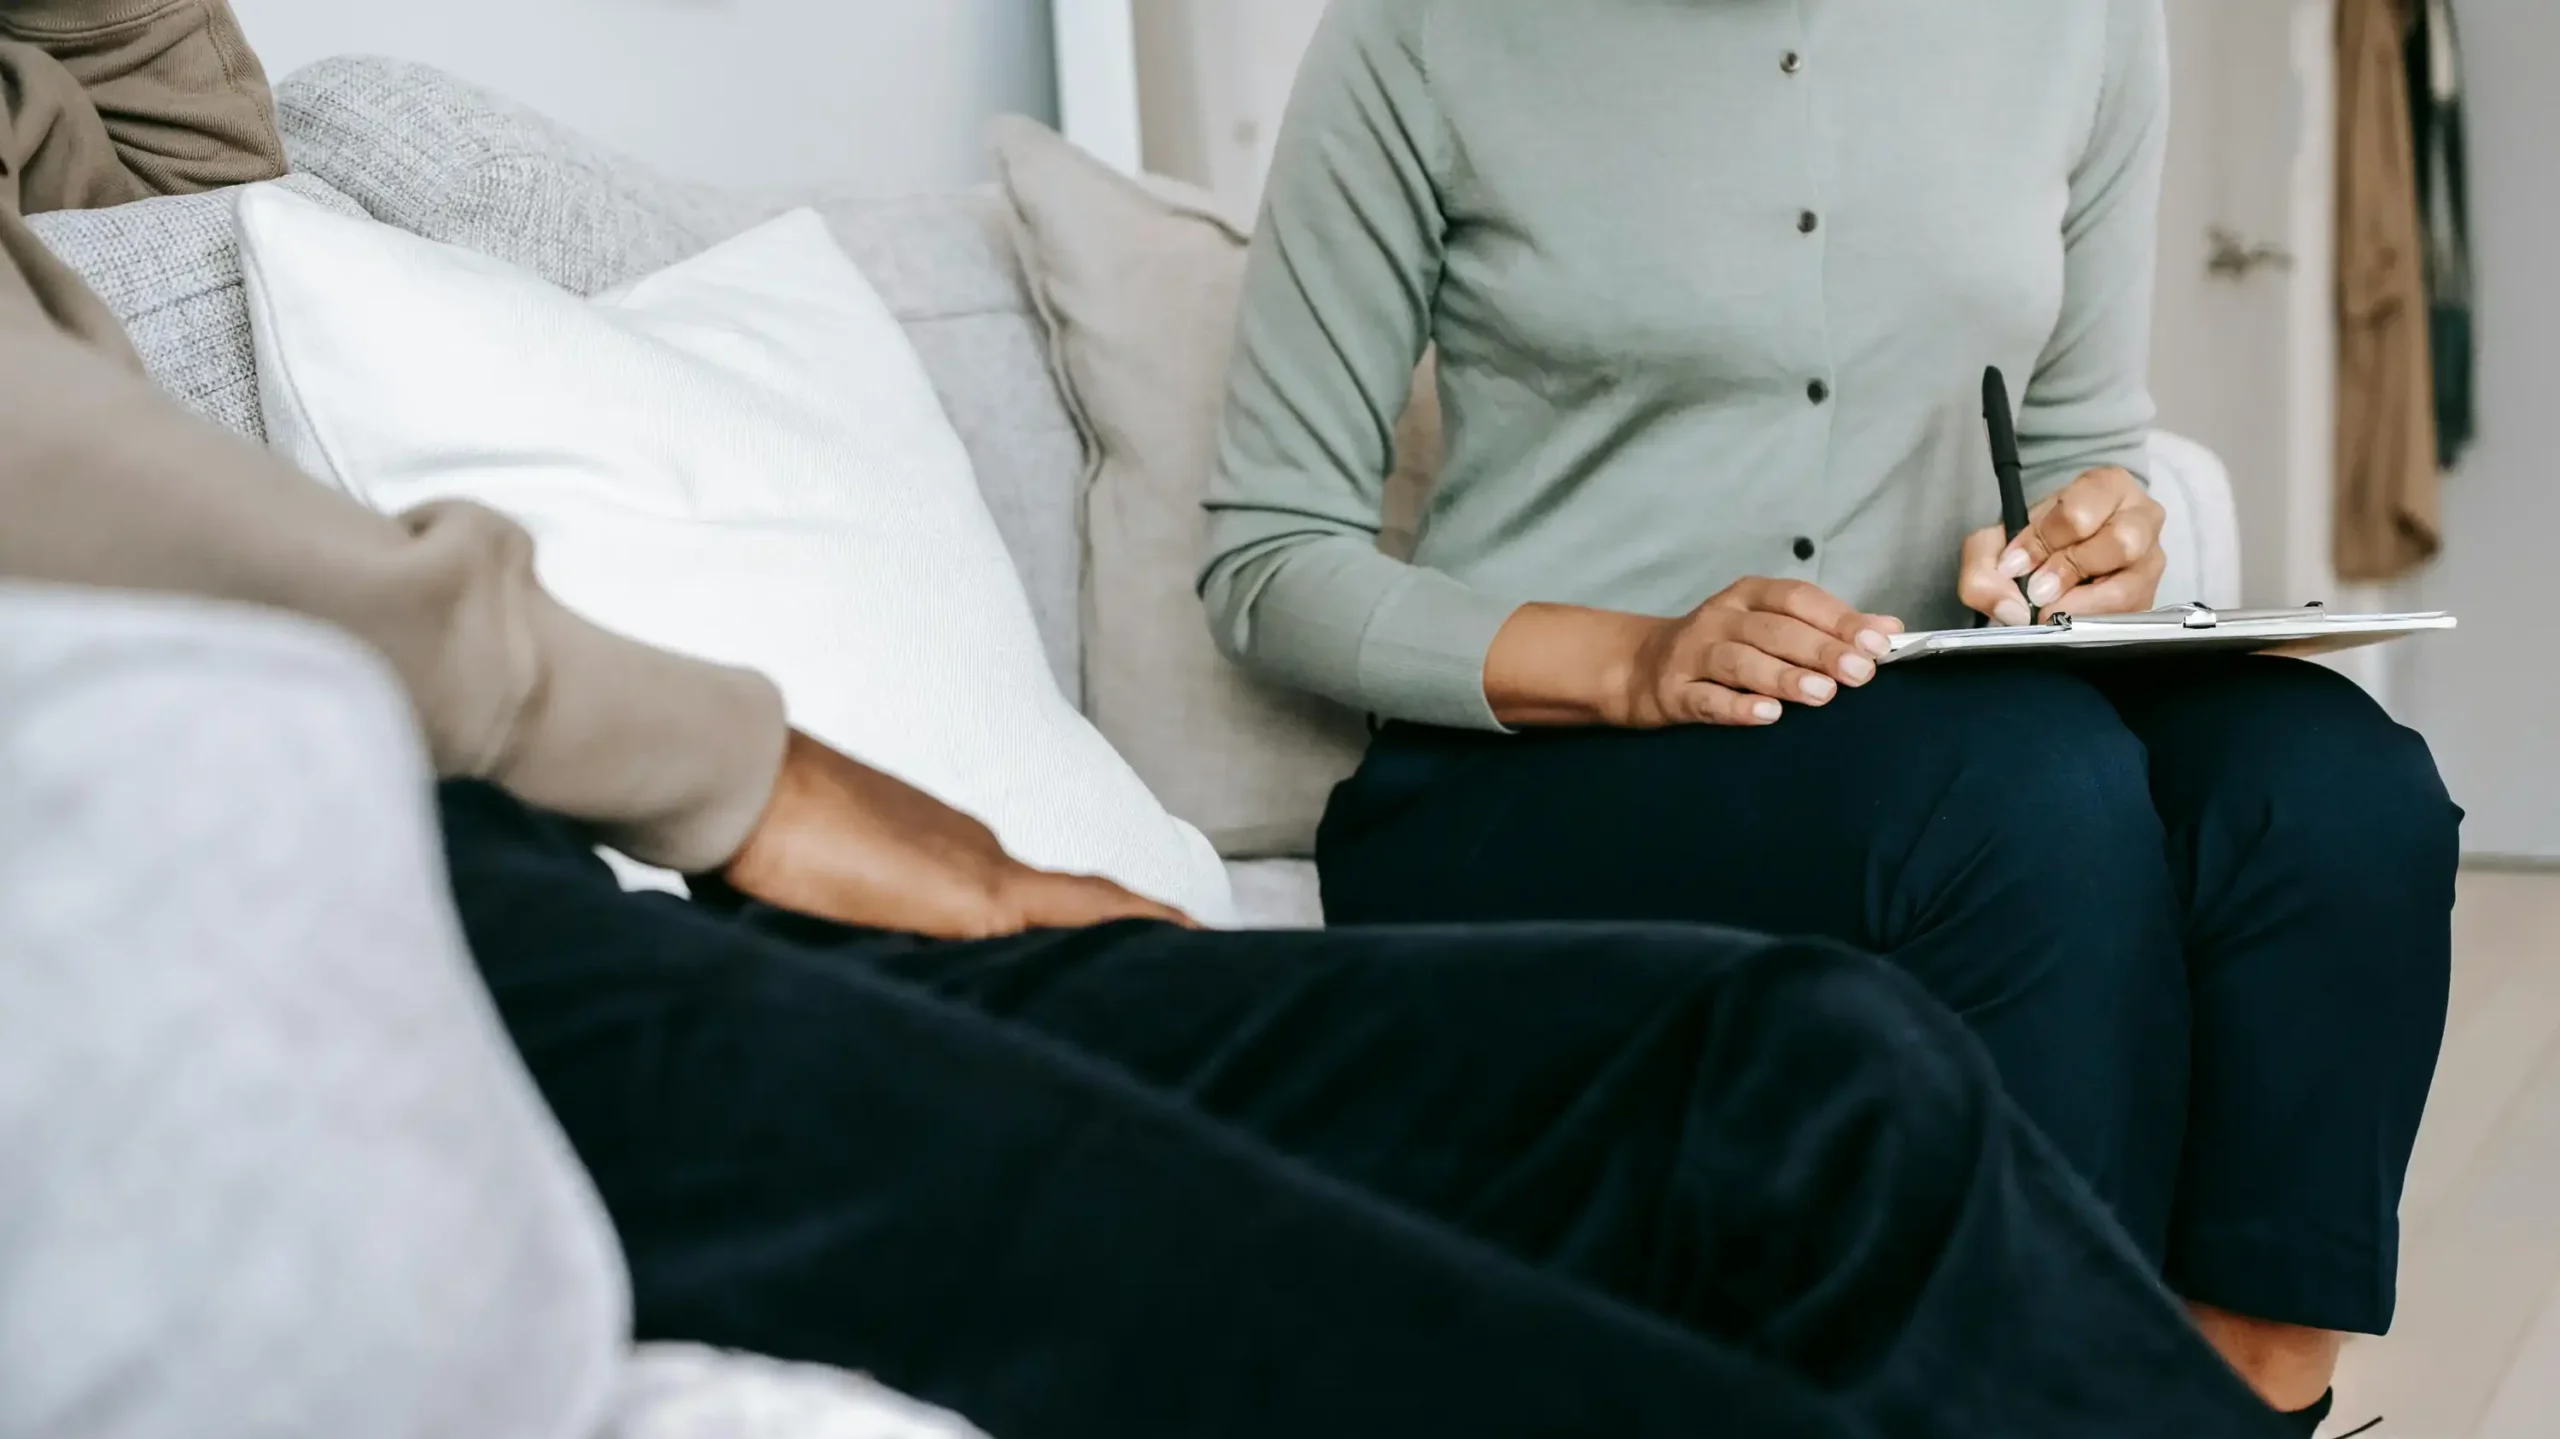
{"type": "Point", "coordinates": [2003, 425]}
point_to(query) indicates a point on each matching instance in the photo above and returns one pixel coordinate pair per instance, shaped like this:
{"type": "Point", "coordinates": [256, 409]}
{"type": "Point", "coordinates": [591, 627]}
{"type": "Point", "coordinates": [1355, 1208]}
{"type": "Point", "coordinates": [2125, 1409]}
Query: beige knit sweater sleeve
{"type": "Point", "coordinates": [105, 482]}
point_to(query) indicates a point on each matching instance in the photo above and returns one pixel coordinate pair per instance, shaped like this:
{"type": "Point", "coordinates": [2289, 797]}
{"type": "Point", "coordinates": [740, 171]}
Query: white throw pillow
{"type": "Point", "coordinates": [739, 457]}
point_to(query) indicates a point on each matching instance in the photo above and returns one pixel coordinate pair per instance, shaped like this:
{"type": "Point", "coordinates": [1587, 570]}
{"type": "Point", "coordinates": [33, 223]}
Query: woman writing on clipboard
{"type": "Point", "coordinates": [1712, 288]}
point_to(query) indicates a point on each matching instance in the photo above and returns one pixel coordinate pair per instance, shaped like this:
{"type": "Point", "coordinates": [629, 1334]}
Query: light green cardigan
{"type": "Point", "coordinates": [1713, 286]}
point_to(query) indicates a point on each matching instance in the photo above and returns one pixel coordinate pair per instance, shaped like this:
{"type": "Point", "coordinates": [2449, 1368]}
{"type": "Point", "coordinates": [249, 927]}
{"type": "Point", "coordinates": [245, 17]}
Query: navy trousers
{"type": "Point", "coordinates": [1143, 1183]}
{"type": "Point", "coordinates": [2199, 912]}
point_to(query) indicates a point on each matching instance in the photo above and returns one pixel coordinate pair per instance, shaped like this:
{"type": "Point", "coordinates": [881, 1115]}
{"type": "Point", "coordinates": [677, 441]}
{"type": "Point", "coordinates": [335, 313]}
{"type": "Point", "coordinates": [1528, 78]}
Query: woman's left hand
{"type": "Point", "coordinates": [2093, 549]}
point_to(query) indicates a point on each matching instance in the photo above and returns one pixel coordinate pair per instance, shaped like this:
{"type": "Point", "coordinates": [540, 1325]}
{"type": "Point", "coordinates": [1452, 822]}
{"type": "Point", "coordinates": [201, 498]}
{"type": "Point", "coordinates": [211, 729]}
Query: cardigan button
{"type": "Point", "coordinates": [1804, 548]}
{"type": "Point", "coordinates": [1818, 392]}
{"type": "Point", "coordinates": [1793, 64]}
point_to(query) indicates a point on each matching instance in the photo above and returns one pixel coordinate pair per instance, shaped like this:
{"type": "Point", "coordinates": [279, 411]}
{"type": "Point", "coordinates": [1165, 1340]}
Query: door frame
{"type": "Point", "coordinates": [2312, 307]}
{"type": "Point", "coordinates": [1097, 59]}
{"type": "Point", "coordinates": [2311, 304]}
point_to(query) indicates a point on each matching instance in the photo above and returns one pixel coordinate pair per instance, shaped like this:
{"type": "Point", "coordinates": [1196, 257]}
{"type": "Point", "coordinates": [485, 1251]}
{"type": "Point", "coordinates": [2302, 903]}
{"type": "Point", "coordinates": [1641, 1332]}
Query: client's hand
{"type": "Point", "coordinates": [2093, 549]}
{"type": "Point", "coordinates": [842, 841]}
{"type": "Point", "coordinates": [1763, 641]}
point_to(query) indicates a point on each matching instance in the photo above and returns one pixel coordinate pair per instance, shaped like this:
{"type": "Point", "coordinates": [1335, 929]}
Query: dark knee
{"type": "Point", "coordinates": [2084, 792]}
{"type": "Point", "coordinates": [2396, 814]}
{"type": "Point", "coordinates": [2306, 798]}
{"type": "Point", "coordinates": [2034, 755]}
{"type": "Point", "coordinates": [2307, 759]}
{"type": "Point", "coordinates": [2039, 801]}
{"type": "Point", "coordinates": [1839, 1025]}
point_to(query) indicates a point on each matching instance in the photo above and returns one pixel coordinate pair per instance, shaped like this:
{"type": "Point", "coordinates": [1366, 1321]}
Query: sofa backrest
{"type": "Point", "coordinates": [416, 148]}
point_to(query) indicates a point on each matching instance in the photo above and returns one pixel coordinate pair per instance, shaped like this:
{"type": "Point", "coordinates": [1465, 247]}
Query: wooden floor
{"type": "Point", "coordinates": [2476, 1351]}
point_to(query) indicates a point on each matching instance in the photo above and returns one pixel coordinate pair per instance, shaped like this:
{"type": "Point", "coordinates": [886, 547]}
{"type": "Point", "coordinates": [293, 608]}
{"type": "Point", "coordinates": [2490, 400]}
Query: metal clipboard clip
{"type": "Point", "coordinates": [2192, 617]}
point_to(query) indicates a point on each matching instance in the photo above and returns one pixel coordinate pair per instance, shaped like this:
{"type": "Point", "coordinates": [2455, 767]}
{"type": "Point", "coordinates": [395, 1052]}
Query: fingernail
{"type": "Point", "coordinates": [1875, 643]}
{"type": "Point", "coordinates": [2012, 614]}
{"type": "Point", "coordinates": [1818, 689]}
{"type": "Point", "coordinates": [2014, 564]}
{"type": "Point", "coordinates": [1767, 710]}
{"type": "Point", "coordinates": [1858, 669]}
{"type": "Point", "coordinates": [2044, 589]}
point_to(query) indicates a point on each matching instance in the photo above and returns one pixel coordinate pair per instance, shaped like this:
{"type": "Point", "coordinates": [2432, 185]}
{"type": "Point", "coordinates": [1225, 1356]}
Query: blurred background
{"type": "Point", "coordinates": [887, 96]}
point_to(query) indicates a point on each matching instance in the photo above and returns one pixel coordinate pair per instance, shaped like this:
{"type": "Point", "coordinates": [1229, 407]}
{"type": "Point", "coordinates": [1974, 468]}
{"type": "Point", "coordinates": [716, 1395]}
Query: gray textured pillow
{"type": "Point", "coordinates": [170, 269]}
{"type": "Point", "coordinates": [1139, 284]}
{"type": "Point", "coordinates": [437, 157]}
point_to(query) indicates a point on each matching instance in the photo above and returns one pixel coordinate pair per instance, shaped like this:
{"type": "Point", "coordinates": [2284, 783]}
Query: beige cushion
{"type": "Point", "coordinates": [1139, 286]}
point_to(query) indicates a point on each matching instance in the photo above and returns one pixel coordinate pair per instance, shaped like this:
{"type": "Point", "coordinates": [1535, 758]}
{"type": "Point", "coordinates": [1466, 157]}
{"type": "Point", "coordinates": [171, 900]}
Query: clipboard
{"type": "Point", "coordinates": [2184, 630]}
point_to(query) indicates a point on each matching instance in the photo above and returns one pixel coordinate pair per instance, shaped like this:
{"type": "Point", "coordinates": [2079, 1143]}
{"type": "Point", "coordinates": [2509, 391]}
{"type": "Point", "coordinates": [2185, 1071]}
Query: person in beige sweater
{"type": "Point", "coordinates": [1126, 1179]}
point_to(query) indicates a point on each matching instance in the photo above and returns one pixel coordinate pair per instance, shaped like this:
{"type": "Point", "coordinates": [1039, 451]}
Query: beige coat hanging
{"type": "Point", "coordinates": [2388, 519]}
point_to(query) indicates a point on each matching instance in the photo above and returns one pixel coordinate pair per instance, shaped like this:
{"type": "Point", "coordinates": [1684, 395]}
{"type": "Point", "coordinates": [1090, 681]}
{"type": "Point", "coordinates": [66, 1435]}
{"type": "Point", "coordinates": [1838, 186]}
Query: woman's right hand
{"type": "Point", "coordinates": [1738, 659]}
{"type": "Point", "coordinates": [1743, 656]}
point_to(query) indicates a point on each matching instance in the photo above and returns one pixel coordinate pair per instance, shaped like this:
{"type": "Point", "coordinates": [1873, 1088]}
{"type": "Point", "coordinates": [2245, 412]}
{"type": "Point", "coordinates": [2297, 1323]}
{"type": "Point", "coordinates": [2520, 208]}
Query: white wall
{"type": "Point", "coordinates": [884, 96]}
{"type": "Point", "coordinates": [2489, 695]}
{"type": "Point", "coordinates": [1215, 75]}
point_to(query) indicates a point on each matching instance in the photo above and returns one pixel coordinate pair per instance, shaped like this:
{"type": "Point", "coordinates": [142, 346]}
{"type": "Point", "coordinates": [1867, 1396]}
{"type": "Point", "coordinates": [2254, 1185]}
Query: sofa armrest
{"type": "Point", "coordinates": [267, 1162]}
{"type": "Point", "coordinates": [2202, 536]}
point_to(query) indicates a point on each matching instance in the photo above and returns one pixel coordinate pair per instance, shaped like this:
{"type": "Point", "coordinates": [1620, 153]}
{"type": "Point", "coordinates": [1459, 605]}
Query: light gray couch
{"type": "Point", "coordinates": [294, 1181]}
{"type": "Point", "coordinates": [417, 149]}
{"type": "Point", "coordinates": [269, 1168]}
{"type": "Point", "coordinates": [224, 1246]}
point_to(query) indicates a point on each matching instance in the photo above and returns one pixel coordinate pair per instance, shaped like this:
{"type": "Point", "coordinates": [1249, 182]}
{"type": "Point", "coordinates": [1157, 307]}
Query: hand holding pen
{"type": "Point", "coordinates": [2093, 549]}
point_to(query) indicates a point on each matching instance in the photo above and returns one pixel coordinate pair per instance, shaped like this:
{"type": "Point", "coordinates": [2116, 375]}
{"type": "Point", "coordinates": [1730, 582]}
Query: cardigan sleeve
{"type": "Point", "coordinates": [1336, 314]}
{"type": "Point", "coordinates": [2089, 403]}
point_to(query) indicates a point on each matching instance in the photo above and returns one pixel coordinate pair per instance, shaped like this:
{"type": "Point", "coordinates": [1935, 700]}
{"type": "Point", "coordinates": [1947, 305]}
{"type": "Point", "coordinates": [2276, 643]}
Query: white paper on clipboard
{"type": "Point", "coordinates": [2186, 630]}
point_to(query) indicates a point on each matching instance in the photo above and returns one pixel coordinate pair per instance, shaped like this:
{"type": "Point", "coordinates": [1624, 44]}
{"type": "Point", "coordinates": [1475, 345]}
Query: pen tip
{"type": "Point", "coordinates": [1995, 390]}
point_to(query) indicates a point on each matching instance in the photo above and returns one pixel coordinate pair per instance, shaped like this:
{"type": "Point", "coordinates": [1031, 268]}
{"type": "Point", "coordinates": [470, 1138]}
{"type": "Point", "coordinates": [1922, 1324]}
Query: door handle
{"type": "Point", "coordinates": [2234, 258]}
